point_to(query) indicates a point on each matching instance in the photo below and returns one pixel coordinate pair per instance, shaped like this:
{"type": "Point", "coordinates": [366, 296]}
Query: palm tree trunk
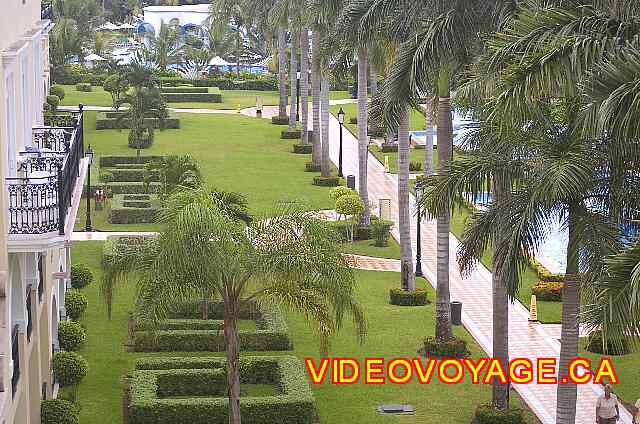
{"type": "Point", "coordinates": [232, 342]}
{"type": "Point", "coordinates": [316, 154]}
{"type": "Point", "coordinates": [282, 71]}
{"type": "Point", "coordinates": [404, 212]}
{"type": "Point", "coordinates": [363, 139]}
{"type": "Point", "coordinates": [500, 392]}
{"type": "Point", "coordinates": [374, 90]}
{"type": "Point", "coordinates": [567, 393]}
{"type": "Point", "coordinates": [390, 136]}
{"type": "Point", "coordinates": [293, 70]}
{"type": "Point", "coordinates": [445, 152]}
{"type": "Point", "coordinates": [205, 306]}
{"type": "Point", "coordinates": [304, 83]}
{"type": "Point", "coordinates": [238, 51]}
{"type": "Point", "coordinates": [324, 120]}
{"type": "Point", "coordinates": [428, 159]}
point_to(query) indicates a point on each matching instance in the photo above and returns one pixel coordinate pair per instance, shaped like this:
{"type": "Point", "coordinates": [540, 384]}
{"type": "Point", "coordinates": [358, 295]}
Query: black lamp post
{"type": "Point", "coordinates": [298, 99]}
{"type": "Point", "coordinates": [89, 155]}
{"type": "Point", "coordinates": [419, 191]}
{"type": "Point", "coordinates": [341, 122]}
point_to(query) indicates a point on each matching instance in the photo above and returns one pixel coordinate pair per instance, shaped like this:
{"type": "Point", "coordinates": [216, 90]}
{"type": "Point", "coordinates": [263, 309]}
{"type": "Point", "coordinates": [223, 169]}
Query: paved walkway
{"type": "Point", "coordinates": [526, 339]}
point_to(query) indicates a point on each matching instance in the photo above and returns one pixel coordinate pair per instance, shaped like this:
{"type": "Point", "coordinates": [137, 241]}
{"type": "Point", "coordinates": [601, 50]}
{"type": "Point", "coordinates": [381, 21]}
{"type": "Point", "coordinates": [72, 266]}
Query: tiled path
{"type": "Point", "coordinates": [526, 339]}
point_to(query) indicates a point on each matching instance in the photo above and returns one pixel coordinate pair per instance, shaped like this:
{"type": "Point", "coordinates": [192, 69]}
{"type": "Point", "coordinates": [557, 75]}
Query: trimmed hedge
{"type": "Point", "coordinates": [215, 97]}
{"type": "Point", "coordinates": [131, 188]}
{"type": "Point", "coordinates": [257, 84]}
{"type": "Point", "coordinates": [290, 135]}
{"type": "Point", "coordinates": [454, 348]}
{"type": "Point", "coordinates": [184, 89]}
{"type": "Point", "coordinates": [57, 90]}
{"type": "Point", "coordinates": [115, 244]}
{"type": "Point", "coordinates": [280, 120]}
{"type": "Point", "coordinates": [548, 291]}
{"type": "Point", "coordinates": [380, 231]}
{"type": "Point", "coordinates": [58, 411]}
{"type": "Point", "coordinates": [400, 297]}
{"type": "Point", "coordinates": [360, 232]}
{"type": "Point", "coordinates": [125, 210]}
{"type": "Point", "coordinates": [70, 368]}
{"type": "Point", "coordinates": [302, 149]}
{"type": "Point", "coordinates": [81, 275]}
{"type": "Point", "coordinates": [353, 120]}
{"type": "Point", "coordinates": [544, 273]}
{"type": "Point", "coordinates": [294, 404]}
{"type": "Point", "coordinates": [70, 335]}
{"type": "Point", "coordinates": [137, 174]}
{"type": "Point", "coordinates": [415, 166]}
{"type": "Point", "coordinates": [117, 161]}
{"type": "Point", "coordinates": [84, 87]}
{"type": "Point", "coordinates": [312, 167]}
{"type": "Point", "coordinates": [326, 181]}
{"type": "Point", "coordinates": [486, 414]}
{"type": "Point", "coordinates": [107, 121]}
{"type": "Point", "coordinates": [75, 303]}
{"type": "Point", "coordinates": [193, 336]}
{"type": "Point", "coordinates": [596, 344]}
{"type": "Point", "coordinates": [389, 148]}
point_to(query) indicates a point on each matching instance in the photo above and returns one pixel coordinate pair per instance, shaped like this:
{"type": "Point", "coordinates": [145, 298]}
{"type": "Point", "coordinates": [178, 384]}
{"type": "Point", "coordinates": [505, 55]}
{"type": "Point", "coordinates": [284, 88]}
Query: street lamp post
{"type": "Point", "coordinates": [89, 155]}
{"type": "Point", "coordinates": [341, 122]}
{"type": "Point", "coordinates": [298, 98]}
{"type": "Point", "coordinates": [419, 191]}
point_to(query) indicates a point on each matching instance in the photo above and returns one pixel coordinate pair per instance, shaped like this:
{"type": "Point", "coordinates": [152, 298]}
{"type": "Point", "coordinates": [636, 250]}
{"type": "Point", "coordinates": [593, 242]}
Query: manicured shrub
{"type": "Point", "coordinates": [389, 148]}
{"type": "Point", "coordinates": [360, 232]}
{"type": "Point", "coordinates": [280, 120]}
{"type": "Point", "coordinates": [46, 107]}
{"type": "Point", "coordinates": [70, 368]}
{"type": "Point", "coordinates": [596, 344]}
{"type": "Point", "coordinates": [75, 303]}
{"type": "Point", "coordinates": [548, 291]}
{"type": "Point", "coordinates": [215, 97]}
{"type": "Point", "coordinates": [132, 187]}
{"type": "Point", "coordinates": [141, 137]}
{"type": "Point", "coordinates": [58, 411]}
{"type": "Point", "coordinates": [302, 149]}
{"type": "Point", "coordinates": [486, 414]}
{"type": "Point", "coordinates": [54, 102]}
{"type": "Point", "coordinates": [312, 167]}
{"type": "Point", "coordinates": [184, 89]}
{"type": "Point", "coordinates": [106, 176]}
{"type": "Point", "coordinates": [81, 275]}
{"type": "Point", "coordinates": [107, 121]}
{"type": "Point", "coordinates": [84, 87]}
{"type": "Point", "coordinates": [114, 161]}
{"type": "Point", "coordinates": [544, 273]}
{"type": "Point", "coordinates": [400, 297]}
{"type": "Point", "coordinates": [337, 192]}
{"type": "Point", "coordinates": [126, 210]}
{"type": "Point", "coordinates": [57, 90]}
{"type": "Point", "coordinates": [290, 135]}
{"type": "Point", "coordinates": [326, 181]}
{"type": "Point", "coordinates": [157, 377]}
{"type": "Point", "coordinates": [454, 348]}
{"type": "Point", "coordinates": [70, 335]}
{"type": "Point", "coordinates": [380, 230]}
{"type": "Point", "coordinates": [353, 120]}
{"type": "Point", "coordinates": [415, 166]}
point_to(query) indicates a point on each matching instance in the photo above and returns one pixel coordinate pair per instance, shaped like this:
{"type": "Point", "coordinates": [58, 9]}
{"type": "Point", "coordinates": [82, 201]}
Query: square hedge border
{"type": "Point", "coordinates": [170, 376]}
{"type": "Point", "coordinates": [185, 332]}
{"type": "Point", "coordinates": [107, 121]}
{"type": "Point", "coordinates": [131, 209]}
{"type": "Point", "coordinates": [119, 161]}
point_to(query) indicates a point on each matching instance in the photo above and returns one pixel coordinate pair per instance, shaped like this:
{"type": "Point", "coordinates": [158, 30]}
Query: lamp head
{"type": "Point", "coordinates": [341, 116]}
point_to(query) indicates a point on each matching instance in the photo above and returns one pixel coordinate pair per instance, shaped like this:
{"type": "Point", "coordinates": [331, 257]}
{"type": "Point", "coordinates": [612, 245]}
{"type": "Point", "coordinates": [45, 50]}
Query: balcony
{"type": "Point", "coordinates": [40, 197]}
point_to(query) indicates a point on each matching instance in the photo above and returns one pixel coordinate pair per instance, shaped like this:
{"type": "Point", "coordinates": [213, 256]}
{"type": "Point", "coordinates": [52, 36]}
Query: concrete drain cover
{"type": "Point", "coordinates": [395, 409]}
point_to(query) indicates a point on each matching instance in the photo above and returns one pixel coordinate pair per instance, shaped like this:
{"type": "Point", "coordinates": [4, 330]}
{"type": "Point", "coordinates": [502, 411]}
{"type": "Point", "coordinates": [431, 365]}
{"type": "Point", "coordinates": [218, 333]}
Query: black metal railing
{"type": "Point", "coordinates": [46, 11]}
{"type": "Point", "coordinates": [15, 356]}
{"type": "Point", "coordinates": [40, 199]}
{"type": "Point", "coordinates": [40, 277]}
{"type": "Point", "coordinates": [29, 314]}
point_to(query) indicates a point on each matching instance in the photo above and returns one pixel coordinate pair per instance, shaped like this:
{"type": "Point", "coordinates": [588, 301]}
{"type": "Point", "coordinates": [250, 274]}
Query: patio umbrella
{"type": "Point", "coordinates": [127, 26]}
{"type": "Point", "coordinates": [94, 58]}
{"type": "Point", "coordinates": [109, 26]}
{"type": "Point", "coordinates": [218, 61]}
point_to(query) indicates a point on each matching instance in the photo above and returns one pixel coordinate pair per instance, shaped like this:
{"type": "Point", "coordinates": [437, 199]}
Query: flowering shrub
{"type": "Point", "coordinates": [548, 291]}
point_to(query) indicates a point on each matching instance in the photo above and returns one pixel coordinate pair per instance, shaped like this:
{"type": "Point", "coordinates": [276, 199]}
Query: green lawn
{"type": "Point", "coordinates": [627, 367]}
{"type": "Point", "coordinates": [230, 98]}
{"type": "Point", "coordinates": [366, 248]}
{"type": "Point", "coordinates": [235, 153]}
{"type": "Point", "coordinates": [392, 332]}
{"type": "Point", "coordinates": [418, 121]}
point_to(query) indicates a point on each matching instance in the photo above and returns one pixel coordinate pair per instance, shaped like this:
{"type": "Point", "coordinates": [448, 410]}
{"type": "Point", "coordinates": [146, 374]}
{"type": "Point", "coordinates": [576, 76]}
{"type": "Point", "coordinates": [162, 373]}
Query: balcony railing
{"type": "Point", "coordinates": [46, 11]}
{"type": "Point", "coordinates": [40, 198]}
{"type": "Point", "coordinates": [15, 356]}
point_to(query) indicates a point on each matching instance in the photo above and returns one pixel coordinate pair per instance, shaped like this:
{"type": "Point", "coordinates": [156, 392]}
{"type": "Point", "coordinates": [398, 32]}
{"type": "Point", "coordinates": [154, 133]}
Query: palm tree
{"type": "Point", "coordinates": [363, 139]}
{"type": "Point", "coordinates": [293, 76]}
{"type": "Point", "coordinates": [404, 218]}
{"type": "Point", "coordinates": [316, 155]}
{"type": "Point", "coordinates": [282, 70]}
{"type": "Point", "coordinates": [175, 173]}
{"type": "Point", "coordinates": [324, 124]}
{"type": "Point", "coordinates": [304, 83]}
{"type": "Point", "coordinates": [236, 11]}
{"type": "Point", "coordinates": [289, 258]}
{"type": "Point", "coordinates": [165, 46]}
{"type": "Point", "coordinates": [428, 148]}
